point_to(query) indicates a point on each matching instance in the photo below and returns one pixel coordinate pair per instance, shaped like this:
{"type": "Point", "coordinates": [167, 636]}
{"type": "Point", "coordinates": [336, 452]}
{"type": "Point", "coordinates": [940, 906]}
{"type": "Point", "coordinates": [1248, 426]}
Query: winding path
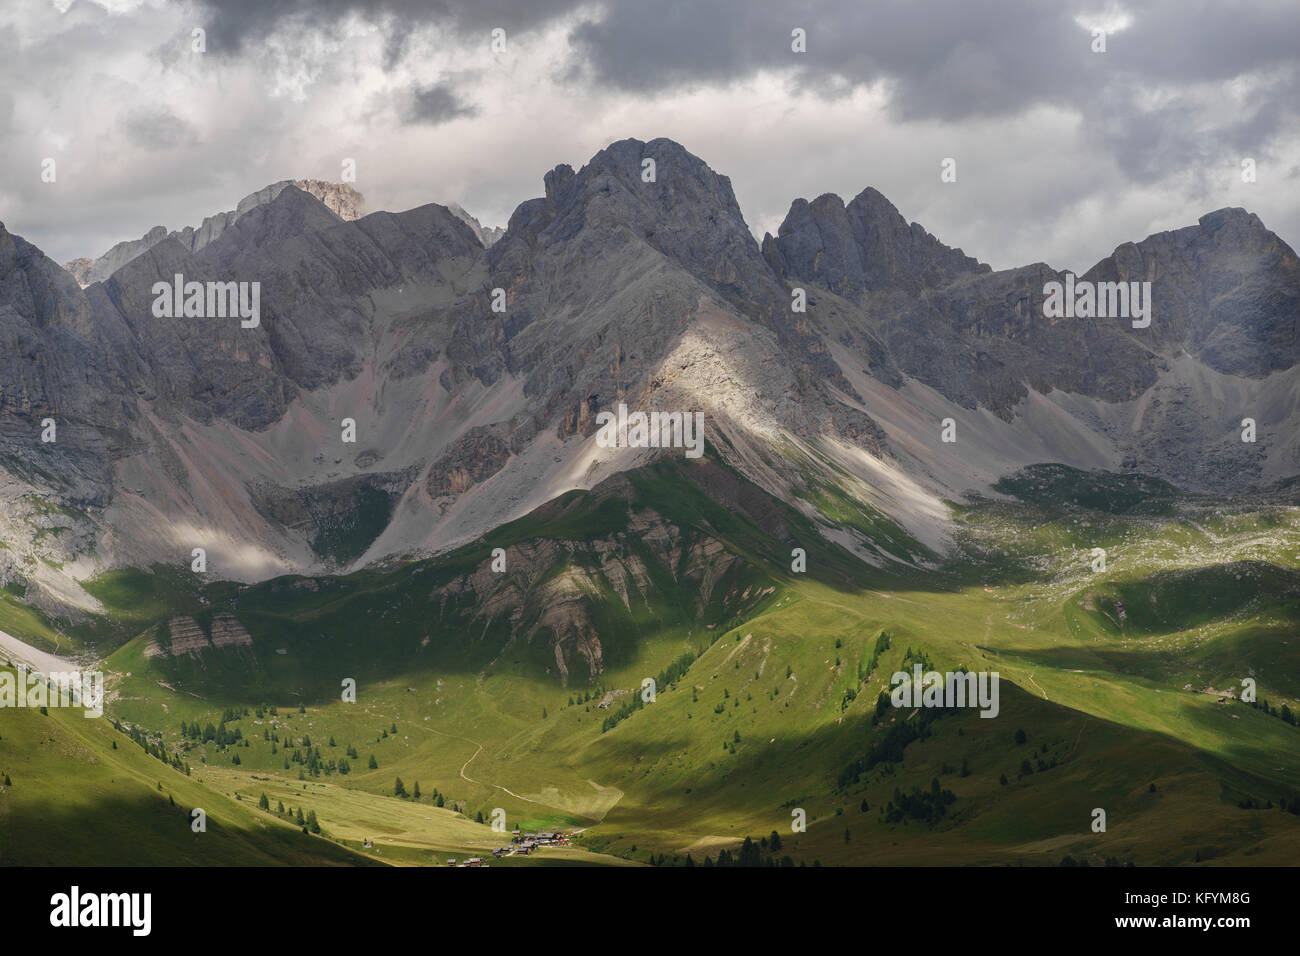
{"type": "Point", "coordinates": [481, 783]}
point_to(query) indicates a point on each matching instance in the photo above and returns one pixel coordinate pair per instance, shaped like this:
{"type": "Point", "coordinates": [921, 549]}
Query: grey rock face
{"type": "Point", "coordinates": [1226, 290]}
{"type": "Point", "coordinates": [619, 267]}
{"type": "Point", "coordinates": [80, 269]}
{"type": "Point", "coordinates": [100, 269]}
{"type": "Point", "coordinates": [56, 358]}
{"type": "Point", "coordinates": [316, 275]}
{"type": "Point", "coordinates": [339, 518]}
{"type": "Point", "coordinates": [865, 246]}
{"type": "Point", "coordinates": [475, 458]}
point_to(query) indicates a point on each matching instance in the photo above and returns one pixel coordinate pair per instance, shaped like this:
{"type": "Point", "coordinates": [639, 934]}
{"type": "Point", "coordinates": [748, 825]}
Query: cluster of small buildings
{"type": "Point", "coordinates": [522, 844]}
{"type": "Point", "coordinates": [525, 843]}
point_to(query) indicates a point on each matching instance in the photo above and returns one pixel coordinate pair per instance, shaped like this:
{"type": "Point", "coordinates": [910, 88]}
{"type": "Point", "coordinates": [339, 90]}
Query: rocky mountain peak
{"type": "Point", "coordinates": [556, 179]}
{"type": "Point", "coordinates": [1234, 218]}
{"type": "Point", "coordinates": [865, 246]}
{"type": "Point", "coordinates": [1227, 290]}
{"type": "Point", "coordinates": [32, 287]}
{"type": "Point", "coordinates": [620, 287]}
{"type": "Point", "coordinates": [291, 212]}
{"type": "Point", "coordinates": [339, 198]}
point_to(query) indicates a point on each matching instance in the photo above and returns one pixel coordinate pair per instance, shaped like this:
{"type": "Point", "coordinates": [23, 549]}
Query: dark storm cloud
{"type": "Point", "coordinates": [949, 61]}
{"type": "Point", "coordinates": [232, 24]}
{"type": "Point", "coordinates": [948, 58]}
{"type": "Point", "coordinates": [1151, 144]}
{"type": "Point", "coordinates": [435, 104]}
{"type": "Point", "coordinates": [941, 59]}
{"type": "Point", "coordinates": [1182, 43]}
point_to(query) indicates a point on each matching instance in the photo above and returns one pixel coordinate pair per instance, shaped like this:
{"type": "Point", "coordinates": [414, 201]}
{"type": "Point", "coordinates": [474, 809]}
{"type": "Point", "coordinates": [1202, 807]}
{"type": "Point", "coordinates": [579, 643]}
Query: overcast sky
{"type": "Point", "coordinates": [1062, 153]}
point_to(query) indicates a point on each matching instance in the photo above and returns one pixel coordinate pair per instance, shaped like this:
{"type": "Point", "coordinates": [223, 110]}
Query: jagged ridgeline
{"type": "Point", "coordinates": [407, 388]}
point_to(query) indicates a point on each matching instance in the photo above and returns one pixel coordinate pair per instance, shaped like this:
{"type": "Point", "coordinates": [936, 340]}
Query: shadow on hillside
{"type": "Point", "coordinates": [148, 831]}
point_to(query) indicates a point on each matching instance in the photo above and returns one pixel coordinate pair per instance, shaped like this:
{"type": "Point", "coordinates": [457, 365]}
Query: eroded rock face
{"type": "Point", "coordinates": [183, 636]}
{"type": "Point", "coordinates": [59, 362]}
{"type": "Point", "coordinates": [339, 198]}
{"type": "Point", "coordinates": [228, 632]}
{"type": "Point", "coordinates": [550, 587]}
{"type": "Point", "coordinates": [340, 519]}
{"type": "Point", "coordinates": [80, 269]}
{"type": "Point", "coordinates": [1226, 290]}
{"type": "Point", "coordinates": [606, 273]}
{"type": "Point", "coordinates": [475, 458]}
{"type": "Point", "coordinates": [317, 279]}
{"type": "Point", "coordinates": [186, 637]}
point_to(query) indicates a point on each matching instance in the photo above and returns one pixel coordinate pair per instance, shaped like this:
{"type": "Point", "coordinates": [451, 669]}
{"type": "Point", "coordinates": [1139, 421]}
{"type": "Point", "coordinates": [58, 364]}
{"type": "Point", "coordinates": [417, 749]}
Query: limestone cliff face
{"type": "Point", "coordinates": [80, 269]}
{"type": "Point", "coordinates": [339, 198]}
{"type": "Point", "coordinates": [1227, 290]}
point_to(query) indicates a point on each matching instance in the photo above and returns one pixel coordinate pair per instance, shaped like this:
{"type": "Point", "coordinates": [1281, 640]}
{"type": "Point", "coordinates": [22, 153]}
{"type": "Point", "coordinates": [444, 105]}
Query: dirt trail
{"type": "Point", "coordinates": [481, 783]}
{"type": "Point", "coordinates": [1078, 738]}
{"type": "Point", "coordinates": [1035, 683]}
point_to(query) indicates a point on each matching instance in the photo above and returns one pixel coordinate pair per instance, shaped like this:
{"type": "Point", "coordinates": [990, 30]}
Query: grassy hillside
{"type": "Point", "coordinates": [1119, 688]}
{"type": "Point", "coordinates": [81, 793]}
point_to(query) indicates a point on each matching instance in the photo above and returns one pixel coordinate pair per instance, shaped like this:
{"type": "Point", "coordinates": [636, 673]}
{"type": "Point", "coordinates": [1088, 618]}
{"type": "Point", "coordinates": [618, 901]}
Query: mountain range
{"type": "Point", "coordinates": [175, 434]}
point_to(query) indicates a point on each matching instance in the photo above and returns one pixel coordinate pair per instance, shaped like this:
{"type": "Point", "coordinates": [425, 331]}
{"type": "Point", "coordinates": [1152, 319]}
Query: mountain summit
{"type": "Point", "coordinates": [339, 198]}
